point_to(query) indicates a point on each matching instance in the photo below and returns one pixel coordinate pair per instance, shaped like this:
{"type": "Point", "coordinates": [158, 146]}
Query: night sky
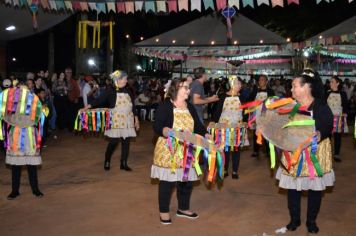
{"type": "Point", "coordinates": [297, 22]}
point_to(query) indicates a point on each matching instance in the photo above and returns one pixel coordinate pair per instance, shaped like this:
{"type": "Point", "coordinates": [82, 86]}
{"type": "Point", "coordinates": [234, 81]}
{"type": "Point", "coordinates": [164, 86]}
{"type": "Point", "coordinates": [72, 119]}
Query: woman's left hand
{"type": "Point", "coordinates": [209, 136]}
{"type": "Point", "coordinates": [137, 123]}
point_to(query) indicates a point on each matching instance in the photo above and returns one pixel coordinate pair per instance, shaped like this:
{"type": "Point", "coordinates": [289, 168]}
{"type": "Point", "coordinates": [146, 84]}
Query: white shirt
{"type": "Point", "coordinates": [143, 98]}
{"type": "Point", "coordinates": [86, 90]}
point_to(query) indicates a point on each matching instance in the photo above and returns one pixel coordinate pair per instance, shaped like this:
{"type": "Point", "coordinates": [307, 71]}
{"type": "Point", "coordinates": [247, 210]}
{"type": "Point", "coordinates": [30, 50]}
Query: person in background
{"type": "Point", "coordinates": [89, 90]}
{"type": "Point", "coordinates": [75, 100]}
{"type": "Point", "coordinates": [338, 103]}
{"type": "Point", "coordinates": [41, 93]}
{"type": "Point", "coordinates": [143, 102]}
{"type": "Point", "coordinates": [278, 89]}
{"type": "Point", "coordinates": [60, 100]}
{"type": "Point", "coordinates": [197, 94]}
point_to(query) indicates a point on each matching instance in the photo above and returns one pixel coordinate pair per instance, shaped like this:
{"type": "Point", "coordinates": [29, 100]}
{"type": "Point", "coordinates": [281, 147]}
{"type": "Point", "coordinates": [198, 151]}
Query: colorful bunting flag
{"type": "Point", "coordinates": [172, 5]}
{"type": "Point", "coordinates": [84, 6]}
{"type": "Point", "coordinates": [129, 6]}
{"type": "Point", "coordinates": [44, 4]}
{"type": "Point", "coordinates": [246, 3]}
{"type": "Point", "coordinates": [161, 6]}
{"type": "Point", "coordinates": [52, 5]}
{"type": "Point", "coordinates": [220, 4]}
{"type": "Point", "coordinates": [101, 7]}
{"type": "Point", "coordinates": [293, 1]}
{"type": "Point", "coordinates": [183, 5]}
{"type": "Point", "coordinates": [23, 3]}
{"type": "Point", "coordinates": [111, 6]}
{"type": "Point", "coordinates": [120, 7]}
{"type": "Point", "coordinates": [260, 2]}
{"type": "Point", "coordinates": [235, 3]}
{"type": "Point", "coordinates": [15, 2]}
{"type": "Point", "coordinates": [92, 6]}
{"type": "Point", "coordinates": [195, 5]}
{"type": "Point", "coordinates": [150, 6]}
{"type": "Point", "coordinates": [138, 5]}
{"type": "Point", "coordinates": [69, 5]}
{"type": "Point", "coordinates": [8, 2]}
{"type": "Point", "coordinates": [60, 5]}
{"type": "Point", "coordinates": [277, 3]}
{"type": "Point", "coordinates": [208, 4]}
{"type": "Point", "coordinates": [76, 6]}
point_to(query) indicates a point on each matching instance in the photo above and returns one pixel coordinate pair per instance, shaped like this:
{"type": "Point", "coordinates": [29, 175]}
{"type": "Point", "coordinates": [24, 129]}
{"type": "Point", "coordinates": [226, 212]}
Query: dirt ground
{"type": "Point", "coordinates": [82, 199]}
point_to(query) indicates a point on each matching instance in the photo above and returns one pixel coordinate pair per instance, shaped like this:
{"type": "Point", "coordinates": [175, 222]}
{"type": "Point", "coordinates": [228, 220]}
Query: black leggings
{"type": "Point", "coordinates": [125, 147]}
{"type": "Point", "coordinates": [184, 191]}
{"type": "Point", "coordinates": [337, 143]}
{"type": "Point", "coordinates": [314, 203]}
{"type": "Point", "coordinates": [32, 176]}
{"type": "Point", "coordinates": [235, 161]}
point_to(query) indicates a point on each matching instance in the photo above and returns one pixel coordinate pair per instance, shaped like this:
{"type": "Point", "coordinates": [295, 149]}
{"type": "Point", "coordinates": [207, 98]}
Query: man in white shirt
{"type": "Point", "coordinates": [142, 102]}
{"type": "Point", "coordinates": [88, 90]}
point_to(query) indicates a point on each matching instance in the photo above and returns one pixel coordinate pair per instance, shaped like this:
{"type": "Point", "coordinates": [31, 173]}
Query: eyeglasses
{"type": "Point", "coordinates": [186, 87]}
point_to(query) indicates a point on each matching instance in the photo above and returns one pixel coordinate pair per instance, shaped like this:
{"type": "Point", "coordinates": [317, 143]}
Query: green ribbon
{"type": "Point", "coordinates": [196, 164]}
{"type": "Point", "coordinates": [300, 123]}
{"type": "Point", "coordinates": [294, 110]}
{"type": "Point", "coordinates": [1, 135]}
{"type": "Point", "coordinates": [76, 121]}
{"type": "Point", "coordinates": [23, 102]}
{"type": "Point", "coordinates": [316, 165]}
{"type": "Point", "coordinates": [29, 132]}
{"type": "Point", "coordinates": [272, 153]}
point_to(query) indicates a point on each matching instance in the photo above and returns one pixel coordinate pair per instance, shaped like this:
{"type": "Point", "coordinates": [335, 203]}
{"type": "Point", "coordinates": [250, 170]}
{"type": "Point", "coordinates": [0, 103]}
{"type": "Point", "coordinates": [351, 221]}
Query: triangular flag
{"type": "Point", "coordinates": [23, 2]}
{"type": "Point", "coordinates": [8, 1]}
{"type": "Point", "coordinates": [172, 5]}
{"type": "Point", "coordinates": [195, 5]}
{"type": "Point", "coordinates": [92, 6]}
{"type": "Point", "coordinates": [69, 5]}
{"type": "Point", "coordinates": [246, 3]}
{"type": "Point", "coordinates": [150, 6]}
{"type": "Point", "coordinates": [161, 6]}
{"type": "Point", "coordinates": [220, 4]}
{"type": "Point", "coordinates": [344, 38]}
{"type": "Point", "coordinates": [44, 3]}
{"type": "Point", "coordinates": [52, 5]}
{"type": "Point", "coordinates": [84, 6]}
{"type": "Point", "coordinates": [129, 6]}
{"type": "Point", "coordinates": [235, 3]}
{"type": "Point", "coordinates": [101, 7]}
{"type": "Point", "coordinates": [60, 5]}
{"type": "Point", "coordinates": [15, 2]}
{"type": "Point", "coordinates": [260, 2]}
{"type": "Point", "coordinates": [293, 1]}
{"type": "Point", "coordinates": [138, 5]}
{"type": "Point", "coordinates": [277, 3]}
{"type": "Point", "coordinates": [350, 1]}
{"type": "Point", "coordinates": [329, 41]}
{"type": "Point", "coordinates": [111, 6]}
{"type": "Point", "coordinates": [120, 7]}
{"type": "Point", "coordinates": [209, 4]}
{"type": "Point", "coordinates": [183, 5]}
{"type": "Point", "coordinates": [76, 6]}
{"type": "Point", "coordinates": [29, 2]}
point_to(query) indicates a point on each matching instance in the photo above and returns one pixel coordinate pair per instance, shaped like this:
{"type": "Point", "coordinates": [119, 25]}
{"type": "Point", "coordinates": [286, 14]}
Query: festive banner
{"type": "Point", "coordinates": [208, 4]}
{"type": "Point", "coordinates": [150, 6]}
{"type": "Point", "coordinates": [92, 6]}
{"type": "Point", "coordinates": [138, 5]}
{"type": "Point", "coordinates": [246, 3]}
{"type": "Point", "coordinates": [293, 1]}
{"type": "Point", "coordinates": [195, 5]}
{"type": "Point", "coordinates": [172, 5]}
{"type": "Point", "coordinates": [69, 5]}
{"type": "Point", "coordinates": [60, 5]}
{"type": "Point", "coordinates": [129, 6]}
{"type": "Point", "coordinates": [120, 7]}
{"type": "Point", "coordinates": [76, 6]}
{"type": "Point", "coordinates": [101, 7]}
{"type": "Point", "coordinates": [220, 4]}
{"type": "Point", "coordinates": [260, 2]}
{"type": "Point", "coordinates": [52, 5]}
{"type": "Point", "coordinates": [16, 3]}
{"type": "Point", "coordinates": [268, 61]}
{"type": "Point", "coordinates": [277, 3]}
{"type": "Point", "coordinates": [8, 2]}
{"type": "Point", "coordinates": [183, 5]}
{"type": "Point", "coordinates": [84, 6]}
{"type": "Point", "coordinates": [161, 6]}
{"type": "Point", "coordinates": [235, 3]}
{"type": "Point", "coordinates": [111, 6]}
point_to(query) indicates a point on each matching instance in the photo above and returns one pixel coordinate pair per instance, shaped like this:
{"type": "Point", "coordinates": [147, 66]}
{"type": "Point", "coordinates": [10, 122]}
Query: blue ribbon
{"type": "Point", "coordinates": [98, 121]}
{"type": "Point", "coordinates": [42, 123]}
{"type": "Point", "coordinates": [227, 138]}
{"type": "Point", "coordinates": [29, 103]}
{"type": "Point", "coordinates": [22, 142]}
{"type": "Point", "coordinates": [300, 166]}
{"type": "Point", "coordinates": [314, 145]}
{"type": "Point", "coordinates": [16, 100]}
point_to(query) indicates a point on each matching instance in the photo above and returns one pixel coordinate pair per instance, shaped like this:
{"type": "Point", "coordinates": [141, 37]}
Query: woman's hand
{"type": "Point", "coordinates": [166, 131]}
{"type": "Point", "coordinates": [209, 136]}
{"type": "Point", "coordinates": [137, 123]}
{"type": "Point", "coordinates": [85, 108]}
